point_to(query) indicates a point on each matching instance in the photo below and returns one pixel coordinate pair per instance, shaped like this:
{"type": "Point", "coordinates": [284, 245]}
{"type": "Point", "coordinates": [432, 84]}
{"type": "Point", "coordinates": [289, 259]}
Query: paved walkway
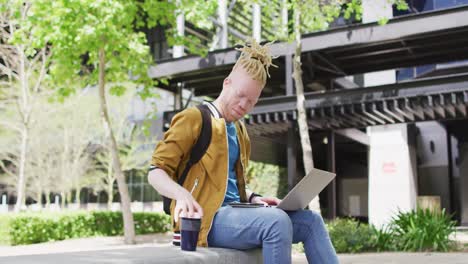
{"type": "Point", "coordinates": [152, 248]}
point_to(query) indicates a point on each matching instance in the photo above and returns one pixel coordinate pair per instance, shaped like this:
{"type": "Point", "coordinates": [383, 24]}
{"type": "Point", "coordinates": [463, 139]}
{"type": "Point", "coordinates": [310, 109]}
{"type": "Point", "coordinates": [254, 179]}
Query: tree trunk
{"type": "Point", "coordinates": [39, 198]}
{"type": "Point", "coordinates": [129, 228]}
{"type": "Point", "coordinates": [110, 185]}
{"type": "Point", "coordinates": [301, 111]}
{"type": "Point", "coordinates": [23, 105]}
{"type": "Point", "coordinates": [47, 198]}
{"type": "Point", "coordinates": [63, 197]}
{"type": "Point", "coordinates": [64, 169]}
{"type": "Point", "coordinates": [78, 196]}
{"type": "Point", "coordinates": [69, 197]}
{"type": "Point", "coordinates": [110, 198]}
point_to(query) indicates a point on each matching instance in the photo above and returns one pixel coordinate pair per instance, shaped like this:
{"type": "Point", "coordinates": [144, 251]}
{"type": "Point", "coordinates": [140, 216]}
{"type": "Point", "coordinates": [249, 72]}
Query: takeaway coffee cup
{"type": "Point", "coordinates": [189, 229]}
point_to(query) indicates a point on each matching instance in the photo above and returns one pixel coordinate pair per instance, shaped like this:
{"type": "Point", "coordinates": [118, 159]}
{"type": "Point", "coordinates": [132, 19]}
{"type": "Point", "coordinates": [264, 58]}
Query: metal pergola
{"type": "Point", "coordinates": [436, 98]}
{"type": "Point", "coordinates": [412, 40]}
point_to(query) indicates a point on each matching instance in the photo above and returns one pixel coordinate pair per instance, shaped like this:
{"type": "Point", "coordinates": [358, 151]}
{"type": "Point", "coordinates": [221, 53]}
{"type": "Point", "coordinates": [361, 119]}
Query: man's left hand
{"type": "Point", "coordinates": [266, 200]}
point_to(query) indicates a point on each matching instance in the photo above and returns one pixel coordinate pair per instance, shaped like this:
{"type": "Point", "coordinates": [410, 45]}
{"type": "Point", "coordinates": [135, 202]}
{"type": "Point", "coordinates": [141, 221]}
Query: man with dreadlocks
{"type": "Point", "coordinates": [218, 178]}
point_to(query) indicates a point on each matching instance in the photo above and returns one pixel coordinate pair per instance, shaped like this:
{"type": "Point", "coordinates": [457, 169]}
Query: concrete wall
{"type": "Point", "coordinates": [352, 189]}
{"type": "Point", "coordinates": [455, 172]}
{"type": "Point", "coordinates": [433, 162]}
{"type": "Point", "coordinates": [392, 172]}
{"type": "Point", "coordinates": [464, 183]}
{"type": "Point", "coordinates": [353, 195]}
{"type": "Point", "coordinates": [374, 10]}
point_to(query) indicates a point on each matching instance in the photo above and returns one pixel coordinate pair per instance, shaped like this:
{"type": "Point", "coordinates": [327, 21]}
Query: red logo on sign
{"type": "Point", "coordinates": [389, 167]}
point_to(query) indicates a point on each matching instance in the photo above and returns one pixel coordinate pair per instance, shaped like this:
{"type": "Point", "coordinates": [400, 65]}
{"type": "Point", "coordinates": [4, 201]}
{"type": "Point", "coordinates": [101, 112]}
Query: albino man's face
{"type": "Point", "coordinates": [241, 93]}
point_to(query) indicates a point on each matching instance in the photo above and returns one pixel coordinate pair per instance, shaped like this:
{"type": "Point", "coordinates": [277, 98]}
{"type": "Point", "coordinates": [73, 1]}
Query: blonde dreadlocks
{"type": "Point", "coordinates": [255, 59]}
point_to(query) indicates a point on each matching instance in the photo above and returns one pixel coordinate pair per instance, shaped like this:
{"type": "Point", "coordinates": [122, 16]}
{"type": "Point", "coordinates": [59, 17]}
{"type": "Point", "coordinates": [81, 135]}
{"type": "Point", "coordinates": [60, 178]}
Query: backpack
{"type": "Point", "coordinates": [197, 152]}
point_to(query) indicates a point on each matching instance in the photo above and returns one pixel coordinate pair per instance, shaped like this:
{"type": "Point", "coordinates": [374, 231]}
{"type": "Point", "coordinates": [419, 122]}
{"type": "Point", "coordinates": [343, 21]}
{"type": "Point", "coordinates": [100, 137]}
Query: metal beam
{"type": "Point", "coordinates": [256, 22]}
{"type": "Point", "coordinates": [178, 51]}
{"type": "Point", "coordinates": [345, 83]}
{"type": "Point", "coordinates": [396, 28]}
{"type": "Point", "coordinates": [329, 63]}
{"type": "Point", "coordinates": [223, 31]}
{"type": "Point", "coordinates": [332, 168]}
{"type": "Point", "coordinates": [429, 86]}
{"type": "Point", "coordinates": [420, 100]}
{"type": "Point", "coordinates": [445, 54]}
{"type": "Point", "coordinates": [386, 108]}
{"type": "Point", "coordinates": [354, 134]}
{"type": "Point", "coordinates": [289, 73]}
{"type": "Point", "coordinates": [345, 38]}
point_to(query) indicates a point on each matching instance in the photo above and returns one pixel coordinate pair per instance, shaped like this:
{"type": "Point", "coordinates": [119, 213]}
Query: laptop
{"type": "Point", "coordinates": [301, 195]}
{"type": "Point", "coordinates": [306, 190]}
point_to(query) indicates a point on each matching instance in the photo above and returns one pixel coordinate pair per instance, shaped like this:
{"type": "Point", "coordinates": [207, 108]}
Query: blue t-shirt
{"type": "Point", "coordinates": [232, 192]}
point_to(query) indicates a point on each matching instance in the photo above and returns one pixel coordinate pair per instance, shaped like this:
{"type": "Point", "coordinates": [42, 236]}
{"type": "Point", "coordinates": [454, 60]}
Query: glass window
{"type": "Point", "coordinates": [441, 4]}
{"type": "Point", "coordinates": [415, 6]}
{"type": "Point", "coordinates": [421, 70]}
{"type": "Point", "coordinates": [405, 74]}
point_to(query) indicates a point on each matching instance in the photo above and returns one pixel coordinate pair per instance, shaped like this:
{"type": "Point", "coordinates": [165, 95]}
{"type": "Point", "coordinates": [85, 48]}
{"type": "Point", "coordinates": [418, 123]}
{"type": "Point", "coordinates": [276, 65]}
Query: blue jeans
{"type": "Point", "coordinates": [274, 230]}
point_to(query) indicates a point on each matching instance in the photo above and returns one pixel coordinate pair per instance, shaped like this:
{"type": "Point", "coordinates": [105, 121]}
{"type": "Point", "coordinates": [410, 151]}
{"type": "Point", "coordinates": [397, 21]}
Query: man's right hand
{"type": "Point", "coordinates": [186, 206]}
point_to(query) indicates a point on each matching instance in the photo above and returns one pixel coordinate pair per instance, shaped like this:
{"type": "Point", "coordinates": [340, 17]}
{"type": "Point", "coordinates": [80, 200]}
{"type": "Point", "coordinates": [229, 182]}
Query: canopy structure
{"type": "Point", "coordinates": [335, 103]}
{"type": "Point", "coordinates": [417, 39]}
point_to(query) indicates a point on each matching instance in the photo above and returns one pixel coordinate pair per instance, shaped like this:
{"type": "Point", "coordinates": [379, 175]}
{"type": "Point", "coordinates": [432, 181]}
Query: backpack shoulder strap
{"type": "Point", "coordinates": [202, 144]}
{"type": "Point", "coordinates": [241, 125]}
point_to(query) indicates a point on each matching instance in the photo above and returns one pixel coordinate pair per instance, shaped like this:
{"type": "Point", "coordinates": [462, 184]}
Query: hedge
{"type": "Point", "coordinates": [30, 228]}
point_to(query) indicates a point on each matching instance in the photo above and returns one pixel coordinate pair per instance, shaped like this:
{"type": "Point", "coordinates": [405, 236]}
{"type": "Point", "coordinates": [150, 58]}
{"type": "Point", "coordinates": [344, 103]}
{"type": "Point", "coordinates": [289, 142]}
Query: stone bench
{"type": "Point", "coordinates": [145, 254]}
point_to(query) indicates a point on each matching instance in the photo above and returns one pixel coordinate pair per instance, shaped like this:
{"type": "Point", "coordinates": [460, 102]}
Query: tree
{"type": "Point", "coordinates": [132, 157]}
{"type": "Point", "coordinates": [129, 142]}
{"type": "Point", "coordinates": [76, 128]}
{"type": "Point", "coordinates": [98, 43]}
{"type": "Point", "coordinates": [23, 69]}
{"type": "Point", "coordinates": [59, 157]}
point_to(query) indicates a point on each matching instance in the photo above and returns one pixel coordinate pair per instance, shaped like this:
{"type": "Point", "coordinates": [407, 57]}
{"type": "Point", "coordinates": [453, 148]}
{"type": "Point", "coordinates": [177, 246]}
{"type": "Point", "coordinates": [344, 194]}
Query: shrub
{"type": "Point", "coordinates": [29, 228]}
{"type": "Point", "coordinates": [350, 236]}
{"type": "Point", "coordinates": [111, 223]}
{"type": "Point", "coordinates": [383, 239]}
{"type": "Point", "coordinates": [108, 223]}
{"type": "Point", "coordinates": [4, 228]}
{"type": "Point", "coordinates": [423, 230]}
{"type": "Point", "coordinates": [148, 223]}
{"type": "Point", "coordinates": [267, 179]}
{"type": "Point", "coordinates": [420, 230]}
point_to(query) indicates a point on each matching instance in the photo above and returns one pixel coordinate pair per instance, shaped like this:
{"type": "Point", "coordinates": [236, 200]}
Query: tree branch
{"type": "Point", "coordinates": [43, 70]}
{"type": "Point", "coordinates": [8, 71]}
{"type": "Point", "coordinates": [5, 169]}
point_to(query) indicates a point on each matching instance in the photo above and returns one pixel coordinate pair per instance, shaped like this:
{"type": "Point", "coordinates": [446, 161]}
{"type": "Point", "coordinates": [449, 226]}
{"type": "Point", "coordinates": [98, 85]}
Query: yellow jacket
{"type": "Point", "coordinates": [209, 176]}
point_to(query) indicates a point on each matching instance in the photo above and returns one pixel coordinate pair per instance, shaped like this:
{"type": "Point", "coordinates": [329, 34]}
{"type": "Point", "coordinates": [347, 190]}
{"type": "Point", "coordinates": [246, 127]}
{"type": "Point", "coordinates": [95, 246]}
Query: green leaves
{"type": "Point", "coordinates": [64, 92]}
{"type": "Point", "coordinates": [117, 90]}
{"type": "Point", "coordinates": [401, 5]}
{"type": "Point", "coordinates": [33, 228]}
{"type": "Point", "coordinates": [419, 230]}
{"type": "Point", "coordinates": [350, 236]}
{"type": "Point", "coordinates": [382, 21]}
{"type": "Point", "coordinates": [77, 29]}
{"type": "Point", "coordinates": [266, 179]}
{"type": "Point", "coordinates": [422, 230]}
{"type": "Point", "coordinates": [353, 7]}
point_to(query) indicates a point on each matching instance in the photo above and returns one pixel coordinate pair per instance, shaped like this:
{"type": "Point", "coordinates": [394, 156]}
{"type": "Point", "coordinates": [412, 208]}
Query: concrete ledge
{"type": "Point", "coordinates": [145, 254]}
